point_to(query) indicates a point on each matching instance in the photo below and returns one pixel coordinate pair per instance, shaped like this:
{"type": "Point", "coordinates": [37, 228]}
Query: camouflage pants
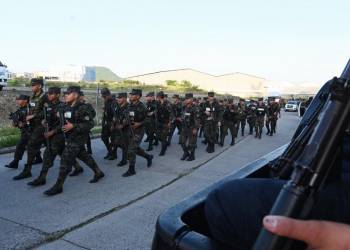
{"type": "Point", "coordinates": [259, 124]}
{"type": "Point", "coordinates": [106, 136]}
{"type": "Point", "coordinates": [188, 140]}
{"type": "Point", "coordinates": [120, 139]}
{"type": "Point", "coordinates": [134, 146]}
{"type": "Point", "coordinates": [36, 139]}
{"type": "Point", "coordinates": [21, 144]}
{"type": "Point", "coordinates": [71, 152]}
{"type": "Point", "coordinates": [163, 132]}
{"type": "Point", "coordinates": [242, 122]}
{"type": "Point", "coordinates": [251, 122]}
{"type": "Point", "coordinates": [176, 124]}
{"type": "Point", "coordinates": [210, 130]}
{"type": "Point", "coordinates": [150, 128]}
{"type": "Point", "coordinates": [230, 125]}
{"type": "Point", "coordinates": [271, 123]}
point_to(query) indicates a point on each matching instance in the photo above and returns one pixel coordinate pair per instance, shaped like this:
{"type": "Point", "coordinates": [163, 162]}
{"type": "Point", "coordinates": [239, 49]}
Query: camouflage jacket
{"type": "Point", "coordinates": [190, 117]}
{"type": "Point", "coordinates": [165, 112]}
{"type": "Point", "coordinates": [37, 108]}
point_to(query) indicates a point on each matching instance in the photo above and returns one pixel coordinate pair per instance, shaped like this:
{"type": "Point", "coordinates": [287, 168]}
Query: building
{"type": "Point", "coordinates": [236, 84]}
{"type": "Point", "coordinates": [4, 74]}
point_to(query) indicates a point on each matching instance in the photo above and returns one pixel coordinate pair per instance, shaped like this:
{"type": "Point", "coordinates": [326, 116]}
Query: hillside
{"type": "Point", "coordinates": [105, 74]}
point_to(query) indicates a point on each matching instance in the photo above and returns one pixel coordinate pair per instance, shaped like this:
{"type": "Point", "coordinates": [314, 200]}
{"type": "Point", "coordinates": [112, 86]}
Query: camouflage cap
{"type": "Point", "coordinates": [188, 95]}
{"type": "Point", "coordinates": [161, 94]}
{"type": "Point", "coordinates": [23, 97]}
{"type": "Point", "coordinates": [54, 90]}
{"type": "Point", "coordinates": [176, 96]}
{"type": "Point", "coordinates": [150, 94]}
{"type": "Point", "coordinates": [136, 92]}
{"type": "Point", "coordinates": [37, 81]}
{"type": "Point", "coordinates": [211, 94]}
{"type": "Point", "coordinates": [73, 89]}
{"type": "Point", "coordinates": [122, 95]}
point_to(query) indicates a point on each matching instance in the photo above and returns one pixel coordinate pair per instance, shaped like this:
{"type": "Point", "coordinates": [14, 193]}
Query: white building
{"type": "Point", "coordinates": [69, 73]}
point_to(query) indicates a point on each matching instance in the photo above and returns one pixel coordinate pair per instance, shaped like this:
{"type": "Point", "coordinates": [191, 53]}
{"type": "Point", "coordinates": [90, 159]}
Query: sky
{"type": "Point", "coordinates": [287, 41]}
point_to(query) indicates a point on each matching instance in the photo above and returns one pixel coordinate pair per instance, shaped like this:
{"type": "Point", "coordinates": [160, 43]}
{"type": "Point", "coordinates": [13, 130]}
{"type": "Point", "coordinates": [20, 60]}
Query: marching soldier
{"type": "Point", "coordinates": [19, 121]}
{"type": "Point", "coordinates": [150, 120]}
{"type": "Point", "coordinates": [251, 116]}
{"type": "Point", "coordinates": [54, 135]}
{"type": "Point", "coordinates": [260, 116]}
{"type": "Point", "coordinates": [120, 127]}
{"type": "Point", "coordinates": [190, 121]}
{"type": "Point", "coordinates": [272, 112]}
{"type": "Point", "coordinates": [35, 117]}
{"type": "Point", "coordinates": [93, 113]}
{"type": "Point", "coordinates": [230, 122]}
{"type": "Point", "coordinates": [242, 109]}
{"type": "Point", "coordinates": [164, 117]}
{"type": "Point", "coordinates": [176, 122]}
{"type": "Point", "coordinates": [78, 123]}
{"type": "Point", "coordinates": [135, 117]}
{"type": "Point", "coordinates": [106, 135]}
{"type": "Point", "coordinates": [211, 113]}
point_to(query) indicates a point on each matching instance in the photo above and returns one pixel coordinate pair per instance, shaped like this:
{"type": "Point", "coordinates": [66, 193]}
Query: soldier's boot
{"type": "Point", "coordinates": [232, 141]}
{"type": "Point", "coordinates": [205, 141]}
{"type": "Point", "coordinates": [97, 176]}
{"type": "Point", "coordinates": [260, 135]}
{"type": "Point", "coordinates": [124, 161]}
{"type": "Point", "coordinates": [112, 157]}
{"type": "Point", "coordinates": [156, 142]}
{"type": "Point", "coordinates": [38, 159]}
{"type": "Point", "coordinates": [191, 157]}
{"type": "Point", "coordinates": [13, 164]}
{"type": "Point", "coordinates": [271, 133]}
{"type": "Point", "coordinates": [210, 147]}
{"type": "Point", "coordinates": [169, 140]}
{"type": "Point", "coordinates": [26, 173]}
{"type": "Point", "coordinates": [147, 139]}
{"type": "Point", "coordinates": [163, 150]}
{"type": "Point", "coordinates": [58, 187]}
{"type": "Point", "coordinates": [250, 131]}
{"type": "Point", "coordinates": [185, 154]}
{"type": "Point", "coordinates": [222, 139]}
{"type": "Point", "coordinates": [107, 156]}
{"type": "Point", "coordinates": [256, 134]}
{"type": "Point", "coordinates": [150, 145]}
{"type": "Point", "coordinates": [77, 170]}
{"type": "Point", "coordinates": [131, 171]}
{"type": "Point", "coordinates": [149, 160]}
{"type": "Point", "coordinates": [268, 131]}
{"type": "Point", "coordinates": [40, 181]}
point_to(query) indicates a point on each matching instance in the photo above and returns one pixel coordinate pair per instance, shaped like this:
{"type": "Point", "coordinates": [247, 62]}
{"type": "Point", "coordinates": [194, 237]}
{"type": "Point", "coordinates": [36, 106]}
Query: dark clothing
{"type": "Point", "coordinates": [150, 120]}
{"type": "Point", "coordinates": [107, 119]}
{"type": "Point", "coordinates": [25, 132]}
{"type": "Point", "coordinates": [176, 123]}
{"type": "Point", "coordinates": [212, 115]}
{"type": "Point", "coordinates": [251, 117]}
{"type": "Point", "coordinates": [190, 120]}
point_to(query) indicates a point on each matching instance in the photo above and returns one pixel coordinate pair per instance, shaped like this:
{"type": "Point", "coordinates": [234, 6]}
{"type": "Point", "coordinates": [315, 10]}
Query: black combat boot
{"type": "Point", "coordinates": [149, 160]}
{"type": "Point", "coordinates": [242, 132]}
{"type": "Point", "coordinates": [77, 170]}
{"type": "Point", "coordinates": [40, 181]}
{"type": "Point", "coordinates": [124, 161]}
{"type": "Point", "coordinates": [155, 142]}
{"type": "Point", "coordinates": [164, 147]}
{"type": "Point", "coordinates": [256, 134]}
{"type": "Point", "coordinates": [13, 164]}
{"type": "Point", "coordinates": [98, 175]}
{"type": "Point", "coordinates": [150, 145]}
{"type": "Point", "coordinates": [112, 157]}
{"type": "Point", "coordinates": [222, 139]}
{"type": "Point", "coordinates": [205, 141]}
{"type": "Point", "coordinates": [191, 157]}
{"type": "Point", "coordinates": [271, 133]}
{"type": "Point", "coordinates": [260, 135]}
{"type": "Point", "coordinates": [107, 156]}
{"type": "Point", "coordinates": [210, 147]}
{"type": "Point", "coordinates": [58, 187]}
{"type": "Point", "coordinates": [131, 171]}
{"type": "Point", "coordinates": [232, 141]}
{"type": "Point", "coordinates": [185, 154]}
{"type": "Point", "coordinates": [26, 173]}
{"type": "Point", "coordinates": [250, 131]}
{"type": "Point", "coordinates": [268, 132]}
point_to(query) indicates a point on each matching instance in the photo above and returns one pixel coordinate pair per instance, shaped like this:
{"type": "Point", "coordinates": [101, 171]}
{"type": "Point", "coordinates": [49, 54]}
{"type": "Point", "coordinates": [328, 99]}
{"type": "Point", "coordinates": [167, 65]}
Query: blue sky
{"type": "Point", "coordinates": [297, 41]}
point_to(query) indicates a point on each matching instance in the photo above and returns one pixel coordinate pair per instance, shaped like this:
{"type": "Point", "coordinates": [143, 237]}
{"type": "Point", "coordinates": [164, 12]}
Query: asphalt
{"type": "Point", "coordinates": [117, 212]}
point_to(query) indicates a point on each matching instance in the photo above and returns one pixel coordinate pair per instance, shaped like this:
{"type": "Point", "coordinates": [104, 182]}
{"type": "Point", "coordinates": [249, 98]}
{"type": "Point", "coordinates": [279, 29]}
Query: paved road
{"type": "Point", "coordinates": [117, 213]}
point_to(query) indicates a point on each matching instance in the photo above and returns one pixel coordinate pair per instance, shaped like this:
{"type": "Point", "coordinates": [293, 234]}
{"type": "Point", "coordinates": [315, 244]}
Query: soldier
{"type": "Point", "coordinates": [242, 109]}
{"type": "Point", "coordinates": [212, 116]}
{"type": "Point", "coordinates": [251, 116]}
{"type": "Point", "coordinates": [36, 138]}
{"type": "Point", "coordinates": [19, 121]}
{"type": "Point", "coordinates": [136, 115]}
{"type": "Point", "coordinates": [54, 135]}
{"type": "Point", "coordinates": [164, 117]}
{"type": "Point", "coordinates": [107, 118]}
{"type": "Point", "coordinates": [230, 122]}
{"type": "Point", "coordinates": [78, 123]}
{"type": "Point", "coordinates": [93, 113]}
{"type": "Point", "coordinates": [200, 105]}
{"type": "Point", "coordinates": [120, 128]}
{"type": "Point", "coordinates": [190, 121]}
{"type": "Point", "coordinates": [176, 122]}
{"type": "Point", "coordinates": [272, 112]}
{"type": "Point", "coordinates": [150, 120]}
{"type": "Point", "coordinates": [260, 116]}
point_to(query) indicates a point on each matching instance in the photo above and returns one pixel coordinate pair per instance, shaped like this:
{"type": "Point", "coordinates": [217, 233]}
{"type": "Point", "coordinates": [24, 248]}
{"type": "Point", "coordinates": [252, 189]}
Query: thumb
{"type": "Point", "coordinates": [311, 232]}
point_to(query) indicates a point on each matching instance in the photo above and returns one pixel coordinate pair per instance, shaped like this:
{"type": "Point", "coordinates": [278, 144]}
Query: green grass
{"type": "Point", "coordinates": [10, 136]}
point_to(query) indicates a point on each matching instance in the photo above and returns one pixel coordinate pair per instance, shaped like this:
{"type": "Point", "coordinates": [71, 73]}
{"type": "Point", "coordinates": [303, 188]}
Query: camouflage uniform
{"type": "Point", "coordinates": [230, 122]}
{"type": "Point", "coordinates": [150, 123]}
{"type": "Point", "coordinates": [260, 117]}
{"type": "Point", "coordinates": [20, 122]}
{"type": "Point", "coordinates": [190, 122]}
{"type": "Point", "coordinates": [80, 116]}
{"type": "Point", "coordinates": [211, 113]}
{"type": "Point", "coordinates": [272, 111]}
{"type": "Point", "coordinates": [164, 117]}
{"type": "Point", "coordinates": [56, 143]}
{"type": "Point", "coordinates": [136, 113]}
{"type": "Point", "coordinates": [36, 138]}
{"type": "Point", "coordinates": [107, 119]}
{"type": "Point", "coordinates": [176, 122]}
{"type": "Point", "coordinates": [120, 131]}
{"type": "Point", "coordinates": [242, 110]}
{"type": "Point", "coordinates": [251, 117]}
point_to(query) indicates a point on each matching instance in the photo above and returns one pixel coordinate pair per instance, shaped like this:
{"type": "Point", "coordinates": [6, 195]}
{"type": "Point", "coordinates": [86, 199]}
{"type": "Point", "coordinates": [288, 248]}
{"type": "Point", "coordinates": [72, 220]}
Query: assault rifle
{"type": "Point", "coordinates": [46, 126]}
{"type": "Point", "coordinates": [62, 122]}
{"type": "Point", "coordinates": [313, 165]}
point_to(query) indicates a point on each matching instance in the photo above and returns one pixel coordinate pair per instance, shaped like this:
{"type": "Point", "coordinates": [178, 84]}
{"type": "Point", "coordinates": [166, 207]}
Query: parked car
{"type": "Point", "coordinates": [4, 75]}
{"type": "Point", "coordinates": [291, 106]}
